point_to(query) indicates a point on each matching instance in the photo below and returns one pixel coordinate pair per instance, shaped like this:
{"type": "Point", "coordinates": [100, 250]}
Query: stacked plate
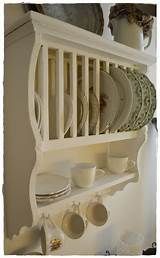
{"type": "Point", "coordinates": [127, 100]}
{"type": "Point", "coordinates": [143, 101]}
{"type": "Point", "coordinates": [50, 187]}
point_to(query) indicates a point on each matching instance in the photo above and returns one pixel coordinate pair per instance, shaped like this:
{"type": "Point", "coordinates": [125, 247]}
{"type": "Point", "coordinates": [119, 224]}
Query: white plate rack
{"type": "Point", "coordinates": [58, 72]}
{"type": "Point", "coordinates": [47, 56]}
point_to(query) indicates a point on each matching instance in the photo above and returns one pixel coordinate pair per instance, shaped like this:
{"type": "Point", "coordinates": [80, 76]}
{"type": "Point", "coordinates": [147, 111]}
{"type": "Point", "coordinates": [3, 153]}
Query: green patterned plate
{"type": "Point", "coordinates": [152, 98]}
{"type": "Point", "coordinates": [137, 101]}
{"type": "Point", "coordinates": [146, 101]}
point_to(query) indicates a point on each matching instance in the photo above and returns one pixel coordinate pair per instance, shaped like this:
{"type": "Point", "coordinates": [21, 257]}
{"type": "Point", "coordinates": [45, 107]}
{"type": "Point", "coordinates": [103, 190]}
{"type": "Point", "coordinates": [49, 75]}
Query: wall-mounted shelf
{"type": "Point", "coordinates": [101, 183]}
{"type": "Point", "coordinates": [27, 46]}
{"type": "Point", "coordinates": [50, 27]}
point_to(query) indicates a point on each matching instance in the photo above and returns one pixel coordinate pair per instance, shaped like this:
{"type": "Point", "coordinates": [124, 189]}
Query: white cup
{"type": "Point", "coordinates": [73, 223]}
{"type": "Point", "coordinates": [51, 236]}
{"type": "Point", "coordinates": [119, 164]}
{"type": "Point", "coordinates": [83, 174]}
{"type": "Point", "coordinates": [96, 212]}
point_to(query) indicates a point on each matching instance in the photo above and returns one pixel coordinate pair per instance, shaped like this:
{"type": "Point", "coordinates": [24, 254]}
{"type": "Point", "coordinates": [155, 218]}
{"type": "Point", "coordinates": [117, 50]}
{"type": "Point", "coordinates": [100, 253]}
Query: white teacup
{"type": "Point", "coordinates": [83, 174]}
{"type": "Point", "coordinates": [119, 164]}
{"type": "Point", "coordinates": [96, 212]}
{"type": "Point", "coordinates": [73, 223]}
{"type": "Point", "coordinates": [51, 236]}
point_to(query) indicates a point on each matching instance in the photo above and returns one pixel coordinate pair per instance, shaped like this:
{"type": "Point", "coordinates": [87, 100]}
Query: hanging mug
{"type": "Point", "coordinates": [51, 236]}
{"type": "Point", "coordinates": [73, 223]}
{"type": "Point", "coordinates": [96, 212]}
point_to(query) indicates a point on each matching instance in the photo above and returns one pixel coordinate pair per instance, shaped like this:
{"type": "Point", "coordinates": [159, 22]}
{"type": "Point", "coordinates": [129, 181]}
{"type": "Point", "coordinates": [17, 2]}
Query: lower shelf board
{"type": "Point", "coordinates": [101, 183]}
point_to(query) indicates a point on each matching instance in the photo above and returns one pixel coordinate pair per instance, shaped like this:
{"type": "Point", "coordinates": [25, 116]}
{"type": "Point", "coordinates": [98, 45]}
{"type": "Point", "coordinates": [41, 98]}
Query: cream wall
{"type": "Point", "coordinates": [134, 207]}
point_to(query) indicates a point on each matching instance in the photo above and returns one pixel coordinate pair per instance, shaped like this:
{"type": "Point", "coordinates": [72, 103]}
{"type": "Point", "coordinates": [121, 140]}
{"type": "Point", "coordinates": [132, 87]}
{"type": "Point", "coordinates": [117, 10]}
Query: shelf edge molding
{"type": "Point", "coordinates": [46, 25]}
{"type": "Point", "coordinates": [65, 143]}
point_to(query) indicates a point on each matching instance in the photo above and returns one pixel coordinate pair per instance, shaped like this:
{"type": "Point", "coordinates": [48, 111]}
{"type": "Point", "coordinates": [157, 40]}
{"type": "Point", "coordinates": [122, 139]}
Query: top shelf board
{"type": "Point", "coordinates": [53, 29]}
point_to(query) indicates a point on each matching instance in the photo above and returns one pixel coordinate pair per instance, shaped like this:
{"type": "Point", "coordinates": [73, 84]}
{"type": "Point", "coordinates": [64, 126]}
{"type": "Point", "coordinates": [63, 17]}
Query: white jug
{"type": "Point", "coordinates": [129, 34]}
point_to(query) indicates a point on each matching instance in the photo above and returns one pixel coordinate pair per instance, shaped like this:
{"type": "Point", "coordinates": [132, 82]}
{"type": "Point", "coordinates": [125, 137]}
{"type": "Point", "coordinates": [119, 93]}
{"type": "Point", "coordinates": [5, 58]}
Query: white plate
{"type": "Point", "coordinates": [82, 110]}
{"type": "Point", "coordinates": [93, 111]}
{"type": "Point", "coordinates": [126, 97]}
{"type": "Point", "coordinates": [109, 101]}
{"type": "Point", "coordinates": [53, 195]}
{"type": "Point", "coordinates": [47, 184]}
{"type": "Point", "coordinates": [68, 114]}
{"type": "Point", "coordinates": [38, 110]}
{"type": "Point", "coordinates": [52, 198]}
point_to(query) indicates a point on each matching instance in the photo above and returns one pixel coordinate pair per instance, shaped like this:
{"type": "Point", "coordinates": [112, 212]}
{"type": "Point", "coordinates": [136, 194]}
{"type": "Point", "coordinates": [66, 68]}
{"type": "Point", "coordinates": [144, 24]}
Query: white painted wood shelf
{"type": "Point", "coordinates": [86, 140]}
{"type": "Point", "coordinates": [101, 183]}
{"type": "Point", "coordinates": [49, 27]}
{"type": "Point", "coordinates": [31, 46]}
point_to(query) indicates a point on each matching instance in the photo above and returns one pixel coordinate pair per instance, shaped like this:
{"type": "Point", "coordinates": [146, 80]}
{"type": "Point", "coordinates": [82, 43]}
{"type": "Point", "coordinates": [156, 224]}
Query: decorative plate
{"type": "Point", "coordinates": [109, 101]}
{"type": "Point", "coordinates": [137, 102]}
{"type": "Point", "coordinates": [146, 101]}
{"type": "Point", "coordinates": [51, 198]}
{"type": "Point", "coordinates": [68, 114]}
{"type": "Point", "coordinates": [49, 184]}
{"type": "Point", "coordinates": [86, 16]}
{"type": "Point", "coordinates": [38, 110]}
{"type": "Point", "coordinates": [82, 110]}
{"type": "Point", "coordinates": [126, 98]}
{"type": "Point", "coordinates": [152, 98]}
{"type": "Point", "coordinates": [93, 111]}
{"type": "Point", "coordinates": [54, 195]}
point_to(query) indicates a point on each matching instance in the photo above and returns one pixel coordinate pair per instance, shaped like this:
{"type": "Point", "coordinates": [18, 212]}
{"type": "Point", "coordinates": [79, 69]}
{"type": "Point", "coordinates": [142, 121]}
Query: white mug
{"type": "Point", "coordinates": [51, 236]}
{"type": "Point", "coordinates": [119, 164]}
{"type": "Point", "coordinates": [96, 212]}
{"type": "Point", "coordinates": [83, 174]}
{"type": "Point", "coordinates": [73, 223]}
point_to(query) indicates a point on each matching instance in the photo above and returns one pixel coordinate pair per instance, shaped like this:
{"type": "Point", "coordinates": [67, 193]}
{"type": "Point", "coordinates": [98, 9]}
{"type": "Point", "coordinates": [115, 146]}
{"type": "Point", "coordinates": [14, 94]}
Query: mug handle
{"type": "Point", "coordinates": [99, 172]}
{"type": "Point", "coordinates": [131, 164]}
{"type": "Point", "coordinates": [149, 40]}
{"type": "Point", "coordinates": [76, 207]}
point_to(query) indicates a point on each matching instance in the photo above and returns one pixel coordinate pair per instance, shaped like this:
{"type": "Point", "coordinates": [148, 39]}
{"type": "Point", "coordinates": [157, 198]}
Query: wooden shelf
{"type": "Point", "coordinates": [64, 31]}
{"type": "Point", "coordinates": [101, 183]}
{"type": "Point", "coordinates": [27, 46]}
{"type": "Point", "coordinates": [85, 140]}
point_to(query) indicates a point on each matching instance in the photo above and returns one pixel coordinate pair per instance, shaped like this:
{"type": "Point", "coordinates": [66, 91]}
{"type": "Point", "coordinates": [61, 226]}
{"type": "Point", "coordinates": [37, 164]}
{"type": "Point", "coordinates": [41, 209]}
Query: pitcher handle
{"type": "Point", "coordinates": [149, 40]}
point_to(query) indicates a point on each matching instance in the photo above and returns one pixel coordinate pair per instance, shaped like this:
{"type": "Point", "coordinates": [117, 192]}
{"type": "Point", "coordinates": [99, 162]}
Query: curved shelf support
{"type": "Point", "coordinates": [20, 155]}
